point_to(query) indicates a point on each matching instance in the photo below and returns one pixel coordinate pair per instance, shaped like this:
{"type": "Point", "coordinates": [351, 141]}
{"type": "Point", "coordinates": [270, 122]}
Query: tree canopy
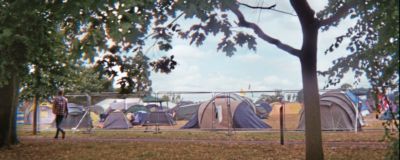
{"type": "Point", "coordinates": [374, 42]}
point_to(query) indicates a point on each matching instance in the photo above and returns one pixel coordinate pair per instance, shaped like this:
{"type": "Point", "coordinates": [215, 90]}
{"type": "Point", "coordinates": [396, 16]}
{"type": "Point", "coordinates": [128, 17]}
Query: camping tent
{"type": "Point", "coordinates": [96, 109]}
{"type": "Point", "coordinates": [136, 108]}
{"type": "Point", "coordinates": [160, 118]}
{"type": "Point", "coordinates": [337, 112]}
{"type": "Point", "coordinates": [45, 113]}
{"type": "Point", "coordinates": [186, 111]}
{"type": "Point", "coordinates": [116, 120]}
{"type": "Point", "coordinates": [111, 104]}
{"type": "Point", "coordinates": [75, 114]}
{"type": "Point", "coordinates": [223, 110]}
{"type": "Point", "coordinates": [154, 107]}
{"type": "Point", "coordinates": [362, 104]}
{"type": "Point", "coordinates": [263, 109]}
{"type": "Point", "coordinates": [140, 117]}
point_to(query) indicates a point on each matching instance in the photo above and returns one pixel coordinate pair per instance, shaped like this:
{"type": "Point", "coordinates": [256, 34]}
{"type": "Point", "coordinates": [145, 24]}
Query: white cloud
{"type": "Point", "coordinates": [248, 58]}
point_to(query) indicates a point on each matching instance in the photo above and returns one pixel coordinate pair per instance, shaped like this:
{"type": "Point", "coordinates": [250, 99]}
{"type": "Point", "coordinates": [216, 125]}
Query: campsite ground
{"type": "Point", "coordinates": [194, 145]}
{"type": "Point", "coordinates": [173, 143]}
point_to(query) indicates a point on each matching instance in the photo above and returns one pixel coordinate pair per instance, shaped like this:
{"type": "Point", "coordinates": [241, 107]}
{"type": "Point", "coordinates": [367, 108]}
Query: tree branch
{"type": "Point", "coordinates": [269, 8]}
{"type": "Point", "coordinates": [341, 12]}
{"type": "Point", "coordinates": [257, 7]}
{"type": "Point", "coordinates": [262, 35]}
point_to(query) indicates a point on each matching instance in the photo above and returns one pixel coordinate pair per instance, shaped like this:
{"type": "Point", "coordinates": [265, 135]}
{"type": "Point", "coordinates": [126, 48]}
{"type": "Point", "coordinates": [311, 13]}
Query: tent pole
{"type": "Point", "coordinates": [230, 118]}
{"type": "Point", "coordinates": [356, 127]}
{"type": "Point", "coordinates": [87, 113]}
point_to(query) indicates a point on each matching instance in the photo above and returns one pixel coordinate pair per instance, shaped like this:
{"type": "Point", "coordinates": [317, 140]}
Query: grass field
{"type": "Point", "coordinates": [193, 145]}
{"type": "Point", "coordinates": [173, 143]}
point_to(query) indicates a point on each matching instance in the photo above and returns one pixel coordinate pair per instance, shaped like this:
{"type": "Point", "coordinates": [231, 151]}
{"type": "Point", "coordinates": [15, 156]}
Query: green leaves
{"type": "Point", "coordinates": [373, 43]}
{"type": "Point", "coordinates": [164, 64]}
{"type": "Point", "coordinates": [242, 38]}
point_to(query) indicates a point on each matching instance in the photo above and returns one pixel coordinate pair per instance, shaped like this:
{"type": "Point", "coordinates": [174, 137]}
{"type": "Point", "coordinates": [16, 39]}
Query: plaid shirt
{"type": "Point", "coordinates": [60, 105]}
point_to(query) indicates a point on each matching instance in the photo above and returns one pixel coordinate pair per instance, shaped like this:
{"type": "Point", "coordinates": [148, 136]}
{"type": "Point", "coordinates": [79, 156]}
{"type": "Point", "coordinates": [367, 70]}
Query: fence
{"type": "Point", "coordinates": [172, 101]}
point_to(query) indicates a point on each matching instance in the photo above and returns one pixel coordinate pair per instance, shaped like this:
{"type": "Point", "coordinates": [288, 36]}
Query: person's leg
{"type": "Point", "coordinates": [61, 117]}
{"type": "Point", "coordinates": [58, 123]}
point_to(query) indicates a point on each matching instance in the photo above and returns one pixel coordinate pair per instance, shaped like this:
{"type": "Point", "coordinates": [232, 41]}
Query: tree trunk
{"type": "Point", "coordinates": [312, 113]}
{"type": "Point", "coordinates": [35, 114]}
{"type": "Point", "coordinates": [8, 99]}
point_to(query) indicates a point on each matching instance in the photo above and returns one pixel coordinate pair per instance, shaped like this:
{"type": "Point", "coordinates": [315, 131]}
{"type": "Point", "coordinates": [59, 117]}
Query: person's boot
{"type": "Point", "coordinates": [56, 136]}
{"type": "Point", "coordinates": [63, 134]}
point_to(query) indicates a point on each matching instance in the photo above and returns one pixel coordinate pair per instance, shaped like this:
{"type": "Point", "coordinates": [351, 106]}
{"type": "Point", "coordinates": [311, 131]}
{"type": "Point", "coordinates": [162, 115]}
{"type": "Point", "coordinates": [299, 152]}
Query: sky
{"type": "Point", "coordinates": [268, 68]}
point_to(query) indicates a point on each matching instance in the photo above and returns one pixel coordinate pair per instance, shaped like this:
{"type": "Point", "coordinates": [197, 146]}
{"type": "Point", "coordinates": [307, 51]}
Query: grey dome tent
{"type": "Point", "coordinates": [223, 110]}
{"type": "Point", "coordinates": [116, 120]}
{"type": "Point", "coordinates": [186, 111]}
{"type": "Point", "coordinates": [160, 118]}
{"type": "Point", "coordinates": [337, 112]}
{"type": "Point", "coordinates": [96, 109]}
{"type": "Point", "coordinates": [75, 114]}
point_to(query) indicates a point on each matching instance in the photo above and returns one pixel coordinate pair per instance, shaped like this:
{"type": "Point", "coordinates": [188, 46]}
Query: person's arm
{"type": "Point", "coordinates": [66, 107]}
{"type": "Point", "coordinates": [54, 106]}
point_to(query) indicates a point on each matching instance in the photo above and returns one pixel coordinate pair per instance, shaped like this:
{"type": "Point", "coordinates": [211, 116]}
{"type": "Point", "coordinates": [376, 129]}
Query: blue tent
{"type": "Point", "coordinates": [140, 117]}
{"type": "Point", "coordinates": [364, 109]}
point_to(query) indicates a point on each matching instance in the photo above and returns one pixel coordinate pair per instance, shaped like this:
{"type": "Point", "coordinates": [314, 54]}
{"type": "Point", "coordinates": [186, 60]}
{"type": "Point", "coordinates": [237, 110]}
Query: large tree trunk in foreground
{"type": "Point", "coordinates": [8, 106]}
{"type": "Point", "coordinates": [308, 60]}
{"type": "Point", "coordinates": [312, 113]}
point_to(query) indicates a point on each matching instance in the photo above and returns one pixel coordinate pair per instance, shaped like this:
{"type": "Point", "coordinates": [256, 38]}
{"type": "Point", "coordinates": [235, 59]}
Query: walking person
{"type": "Point", "coordinates": [60, 109]}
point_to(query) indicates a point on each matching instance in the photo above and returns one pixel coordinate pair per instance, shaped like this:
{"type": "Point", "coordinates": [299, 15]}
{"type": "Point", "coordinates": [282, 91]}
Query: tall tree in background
{"type": "Point", "coordinates": [374, 43]}
{"type": "Point", "coordinates": [86, 79]}
{"type": "Point", "coordinates": [137, 79]}
{"type": "Point", "coordinates": [32, 30]}
{"type": "Point", "coordinates": [142, 78]}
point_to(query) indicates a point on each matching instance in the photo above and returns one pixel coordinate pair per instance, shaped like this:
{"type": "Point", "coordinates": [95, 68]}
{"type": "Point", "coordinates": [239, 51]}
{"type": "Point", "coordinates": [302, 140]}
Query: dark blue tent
{"type": "Point", "coordinates": [140, 117]}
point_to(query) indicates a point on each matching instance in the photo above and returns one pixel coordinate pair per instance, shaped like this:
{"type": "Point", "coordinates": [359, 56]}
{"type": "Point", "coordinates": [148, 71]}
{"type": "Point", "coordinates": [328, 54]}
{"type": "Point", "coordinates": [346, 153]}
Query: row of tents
{"type": "Point", "coordinates": [339, 111]}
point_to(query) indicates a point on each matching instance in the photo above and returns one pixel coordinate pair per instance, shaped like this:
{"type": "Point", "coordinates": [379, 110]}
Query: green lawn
{"type": "Point", "coordinates": [173, 143]}
{"type": "Point", "coordinates": [220, 135]}
{"type": "Point", "coordinates": [177, 145]}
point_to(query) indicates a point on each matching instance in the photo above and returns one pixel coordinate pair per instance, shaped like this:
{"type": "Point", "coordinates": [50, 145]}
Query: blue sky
{"type": "Point", "coordinates": [269, 68]}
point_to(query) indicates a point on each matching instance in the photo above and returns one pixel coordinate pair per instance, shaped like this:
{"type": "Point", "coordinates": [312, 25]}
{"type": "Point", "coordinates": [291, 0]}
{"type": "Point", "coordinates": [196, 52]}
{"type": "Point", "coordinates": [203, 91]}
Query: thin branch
{"type": "Point", "coordinates": [257, 7]}
{"type": "Point", "coordinates": [262, 35]}
{"type": "Point", "coordinates": [341, 12]}
{"type": "Point", "coordinates": [269, 8]}
{"type": "Point", "coordinates": [180, 15]}
{"type": "Point", "coordinates": [169, 24]}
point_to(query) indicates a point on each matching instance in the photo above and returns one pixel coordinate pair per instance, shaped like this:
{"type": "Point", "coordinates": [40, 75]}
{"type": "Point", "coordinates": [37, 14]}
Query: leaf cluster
{"type": "Point", "coordinates": [374, 42]}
